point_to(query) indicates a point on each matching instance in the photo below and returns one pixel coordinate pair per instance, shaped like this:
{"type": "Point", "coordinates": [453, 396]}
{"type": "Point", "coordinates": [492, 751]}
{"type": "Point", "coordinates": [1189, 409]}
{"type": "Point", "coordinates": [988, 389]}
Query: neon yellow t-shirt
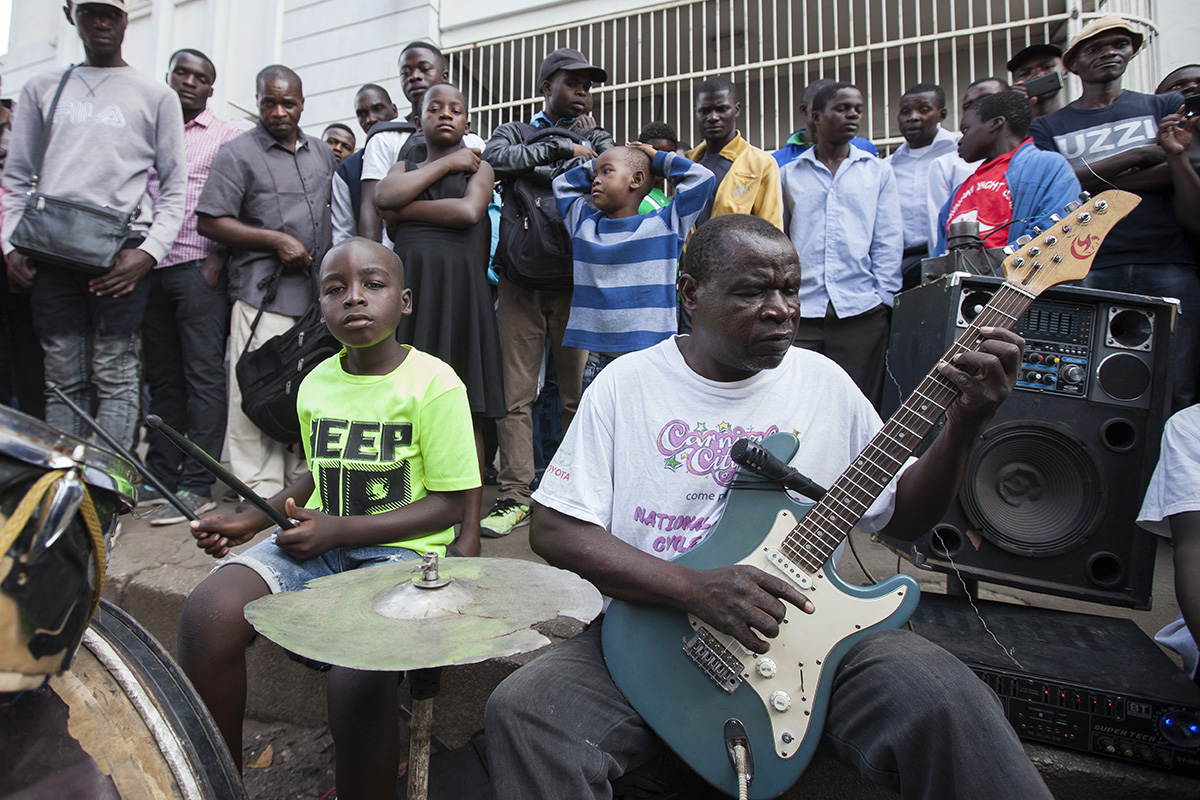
{"type": "Point", "coordinates": [376, 443]}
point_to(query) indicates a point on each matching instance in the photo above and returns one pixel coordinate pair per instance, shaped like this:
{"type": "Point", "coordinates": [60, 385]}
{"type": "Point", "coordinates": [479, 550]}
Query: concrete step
{"type": "Point", "coordinates": [153, 569]}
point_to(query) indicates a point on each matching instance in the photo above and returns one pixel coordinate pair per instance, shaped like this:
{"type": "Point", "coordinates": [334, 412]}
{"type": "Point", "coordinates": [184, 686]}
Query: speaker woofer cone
{"type": "Point", "coordinates": [1034, 489]}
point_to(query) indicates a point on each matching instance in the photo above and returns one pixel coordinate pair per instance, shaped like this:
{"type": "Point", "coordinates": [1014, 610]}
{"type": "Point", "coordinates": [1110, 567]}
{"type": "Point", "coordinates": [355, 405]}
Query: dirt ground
{"type": "Point", "coordinates": [287, 762]}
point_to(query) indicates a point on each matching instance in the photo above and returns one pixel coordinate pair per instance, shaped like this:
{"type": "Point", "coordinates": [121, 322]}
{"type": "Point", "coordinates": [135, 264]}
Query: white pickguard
{"type": "Point", "coordinates": [799, 653]}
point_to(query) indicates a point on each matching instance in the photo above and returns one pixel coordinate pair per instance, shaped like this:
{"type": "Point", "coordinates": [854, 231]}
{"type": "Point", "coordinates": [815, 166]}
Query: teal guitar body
{"type": "Point", "coordinates": [686, 679]}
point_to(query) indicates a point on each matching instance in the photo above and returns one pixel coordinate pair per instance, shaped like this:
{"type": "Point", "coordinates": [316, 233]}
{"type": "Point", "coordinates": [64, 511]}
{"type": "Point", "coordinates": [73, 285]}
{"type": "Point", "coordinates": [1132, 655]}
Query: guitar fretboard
{"type": "Point", "coordinates": [817, 535]}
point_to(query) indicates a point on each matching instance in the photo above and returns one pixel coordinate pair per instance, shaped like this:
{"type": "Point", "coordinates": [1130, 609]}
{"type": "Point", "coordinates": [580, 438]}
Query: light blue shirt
{"type": "Point", "coordinates": [847, 229]}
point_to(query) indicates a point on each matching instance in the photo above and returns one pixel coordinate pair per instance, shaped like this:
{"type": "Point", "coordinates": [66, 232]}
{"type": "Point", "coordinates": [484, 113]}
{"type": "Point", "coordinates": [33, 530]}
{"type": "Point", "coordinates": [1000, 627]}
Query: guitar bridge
{"type": "Point", "coordinates": [717, 661]}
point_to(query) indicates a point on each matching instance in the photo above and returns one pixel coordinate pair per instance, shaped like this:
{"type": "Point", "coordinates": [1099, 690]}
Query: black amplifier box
{"type": "Point", "coordinates": [1088, 683]}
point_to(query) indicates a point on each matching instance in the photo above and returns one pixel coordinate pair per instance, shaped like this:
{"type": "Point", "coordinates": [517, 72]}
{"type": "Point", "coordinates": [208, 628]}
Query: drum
{"type": "Point", "coordinates": [123, 722]}
{"type": "Point", "coordinates": [60, 499]}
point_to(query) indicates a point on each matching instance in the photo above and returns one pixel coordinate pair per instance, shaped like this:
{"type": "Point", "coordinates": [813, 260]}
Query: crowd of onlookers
{"type": "Point", "coordinates": [530, 290]}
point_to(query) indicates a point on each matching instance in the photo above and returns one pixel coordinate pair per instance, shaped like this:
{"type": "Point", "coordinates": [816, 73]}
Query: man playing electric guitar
{"type": "Point", "coordinates": [642, 477]}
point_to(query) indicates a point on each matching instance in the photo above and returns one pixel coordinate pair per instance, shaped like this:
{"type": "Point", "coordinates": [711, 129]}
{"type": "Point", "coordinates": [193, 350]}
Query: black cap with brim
{"type": "Point", "coordinates": [571, 60]}
{"type": "Point", "coordinates": [1031, 51]}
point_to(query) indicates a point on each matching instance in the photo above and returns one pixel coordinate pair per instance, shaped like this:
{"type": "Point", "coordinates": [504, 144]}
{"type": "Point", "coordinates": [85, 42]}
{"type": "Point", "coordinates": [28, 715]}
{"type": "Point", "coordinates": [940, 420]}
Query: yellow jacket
{"type": "Point", "coordinates": [752, 184]}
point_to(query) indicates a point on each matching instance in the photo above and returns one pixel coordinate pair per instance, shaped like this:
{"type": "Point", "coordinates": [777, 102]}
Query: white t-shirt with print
{"type": "Point", "coordinates": [1174, 489]}
{"type": "Point", "coordinates": [647, 455]}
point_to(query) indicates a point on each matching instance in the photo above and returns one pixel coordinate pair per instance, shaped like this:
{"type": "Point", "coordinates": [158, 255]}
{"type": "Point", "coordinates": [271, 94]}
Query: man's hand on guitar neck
{"type": "Point", "coordinates": [984, 379]}
{"type": "Point", "coordinates": [735, 600]}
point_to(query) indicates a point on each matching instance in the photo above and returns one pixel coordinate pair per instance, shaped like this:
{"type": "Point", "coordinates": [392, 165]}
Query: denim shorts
{"type": "Point", "coordinates": [282, 573]}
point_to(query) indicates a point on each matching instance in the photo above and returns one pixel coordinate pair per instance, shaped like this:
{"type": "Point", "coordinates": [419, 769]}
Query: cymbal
{"type": "Point", "coordinates": [377, 618]}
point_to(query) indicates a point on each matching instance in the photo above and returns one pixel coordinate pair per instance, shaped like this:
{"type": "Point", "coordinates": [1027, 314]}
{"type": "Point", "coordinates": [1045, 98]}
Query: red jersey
{"type": "Point", "coordinates": [985, 197]}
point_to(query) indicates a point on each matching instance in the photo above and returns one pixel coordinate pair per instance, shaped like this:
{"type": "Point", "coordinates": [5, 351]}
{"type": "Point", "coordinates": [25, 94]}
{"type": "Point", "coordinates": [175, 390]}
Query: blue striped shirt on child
{"type": "Point", "coordinates": [625, 268]}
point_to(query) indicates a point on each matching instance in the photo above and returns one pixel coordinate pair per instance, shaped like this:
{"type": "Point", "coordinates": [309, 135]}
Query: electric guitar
{"type": "Point", "coordinates": [701, 690]}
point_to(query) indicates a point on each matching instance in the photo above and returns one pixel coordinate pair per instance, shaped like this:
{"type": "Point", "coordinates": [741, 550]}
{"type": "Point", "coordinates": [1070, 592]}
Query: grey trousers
{"type": "Point", "coordinates": [905, 713]}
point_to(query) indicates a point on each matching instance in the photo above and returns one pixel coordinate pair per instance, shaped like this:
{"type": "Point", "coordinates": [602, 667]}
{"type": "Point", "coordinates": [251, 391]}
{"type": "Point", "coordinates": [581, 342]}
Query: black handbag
{"type": "Point", "coordinates": [270, 376]}
{"type": "Point", "coordinates": [69, 233]}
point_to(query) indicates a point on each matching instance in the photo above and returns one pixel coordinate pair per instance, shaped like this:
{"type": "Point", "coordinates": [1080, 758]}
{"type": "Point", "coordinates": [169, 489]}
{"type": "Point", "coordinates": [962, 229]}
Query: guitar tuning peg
{"type": "Point", "coordinates": [1071, 206]}
{"type": "Point", "coordinates": [1056, 217]}
{"type": "Point", "coordinates": [1036, 229]}
{"type": "Point", "coordinates": [1085, 196]}
{"type": "Point", "coordinates": [1024, 240]}
{"type": "Point", "coordinates": [1008, 251]}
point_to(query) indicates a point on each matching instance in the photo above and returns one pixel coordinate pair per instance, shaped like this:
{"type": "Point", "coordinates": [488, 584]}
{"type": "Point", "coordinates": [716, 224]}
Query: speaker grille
{"type": "Point", "coordinates": [1124, 376]}
{"type": "Point", "coordinates": [1034, 489]}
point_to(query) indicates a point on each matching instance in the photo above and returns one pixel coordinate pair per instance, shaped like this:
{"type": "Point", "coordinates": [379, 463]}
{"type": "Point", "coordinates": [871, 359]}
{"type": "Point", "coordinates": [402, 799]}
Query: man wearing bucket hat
{"type": "Point", "coordinates": [1110, 136]}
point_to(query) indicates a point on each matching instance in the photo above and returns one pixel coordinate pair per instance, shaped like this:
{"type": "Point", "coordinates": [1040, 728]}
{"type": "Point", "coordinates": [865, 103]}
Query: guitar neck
{"type": "Point", "coordinates": [1063, 253]}
{"type": "Point", "coordinates": [819, 532]}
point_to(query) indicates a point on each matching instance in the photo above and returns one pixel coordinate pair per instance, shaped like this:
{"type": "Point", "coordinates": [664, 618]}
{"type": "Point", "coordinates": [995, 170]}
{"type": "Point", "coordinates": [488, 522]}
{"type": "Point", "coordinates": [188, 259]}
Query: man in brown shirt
{"type": "Point", "coordinates": [267, 197]}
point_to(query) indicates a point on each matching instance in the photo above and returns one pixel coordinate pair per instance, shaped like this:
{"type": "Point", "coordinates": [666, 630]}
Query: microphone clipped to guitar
{"type": "Point", "coordinates": [754, 457]}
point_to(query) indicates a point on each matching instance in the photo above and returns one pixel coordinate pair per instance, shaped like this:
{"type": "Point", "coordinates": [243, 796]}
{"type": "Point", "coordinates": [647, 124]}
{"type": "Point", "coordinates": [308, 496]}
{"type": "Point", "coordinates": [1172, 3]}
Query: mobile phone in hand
{"type": "Point", "coordinates": [1043, 85]}
{"type": "Point", "coordinates": [1192, 103]}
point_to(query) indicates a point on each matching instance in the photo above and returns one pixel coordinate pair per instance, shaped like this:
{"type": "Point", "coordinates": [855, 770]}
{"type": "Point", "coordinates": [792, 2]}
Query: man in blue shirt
{"type": "Point", "coordinates": [922, 111]}
{"type": "Point", "coordinates": [842, 213]}
{"type": "Point", "coordinates": [804, 138]}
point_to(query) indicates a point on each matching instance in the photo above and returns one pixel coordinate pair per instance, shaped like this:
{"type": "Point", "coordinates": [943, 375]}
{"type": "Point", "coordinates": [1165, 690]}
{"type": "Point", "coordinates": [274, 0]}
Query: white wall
{"type": "Point", "coordinates": [1179, 22]}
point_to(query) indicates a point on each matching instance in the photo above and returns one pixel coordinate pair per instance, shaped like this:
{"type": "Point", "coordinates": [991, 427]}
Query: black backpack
{"type": "Point", "coordinates": [535, 247]}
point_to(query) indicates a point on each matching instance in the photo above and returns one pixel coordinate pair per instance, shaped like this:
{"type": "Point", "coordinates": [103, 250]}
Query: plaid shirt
{"type": "Point", "coordinates": [202, 137]}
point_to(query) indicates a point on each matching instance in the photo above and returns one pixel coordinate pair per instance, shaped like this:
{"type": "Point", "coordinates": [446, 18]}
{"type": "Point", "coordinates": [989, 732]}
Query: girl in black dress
{"type": "Point", "coordinates": [436, 212]}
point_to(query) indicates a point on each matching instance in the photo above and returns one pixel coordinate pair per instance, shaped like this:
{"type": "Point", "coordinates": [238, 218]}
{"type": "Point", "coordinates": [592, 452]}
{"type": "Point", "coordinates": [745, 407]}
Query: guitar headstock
{"type": "Point", "coordinates": [1065, 251]}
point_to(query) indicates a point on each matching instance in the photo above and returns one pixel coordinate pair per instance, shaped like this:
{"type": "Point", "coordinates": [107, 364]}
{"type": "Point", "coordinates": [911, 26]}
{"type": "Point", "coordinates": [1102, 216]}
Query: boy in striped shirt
{"type": "Point", "coordinates": [626, 262]}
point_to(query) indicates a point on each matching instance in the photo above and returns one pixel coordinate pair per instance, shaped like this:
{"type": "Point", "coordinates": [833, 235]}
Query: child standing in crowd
{"type": "Point", "coordinates": [436, 212]}
{"type": "Point", "coordinates": [626, 262]}
{"type": "Point", "coordinates": [387, 439]}
{"type": "Point", "coordinates": [660, 136]}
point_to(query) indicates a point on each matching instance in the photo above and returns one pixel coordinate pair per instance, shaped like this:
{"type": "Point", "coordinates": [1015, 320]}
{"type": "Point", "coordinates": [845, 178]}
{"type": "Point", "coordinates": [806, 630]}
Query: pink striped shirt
{"type": "Point", "coordinates": [202, 138]}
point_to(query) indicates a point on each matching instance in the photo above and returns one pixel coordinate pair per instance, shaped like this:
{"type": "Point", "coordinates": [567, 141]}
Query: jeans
{"type": "Point", "coordinates": [903, 712]}
{"type": "Point", "coordinates": [283, 573]}
{"type": "Point", "coordinates": [596, 363]}
{"type": "Point", "coordinates": [1165, 280]}
{"type": "Point", "coordinates": [21, 373]}
{"type": "Point", "coordinates": [183, 345]}
{"type": "Point", "coordinates": [91, 348]}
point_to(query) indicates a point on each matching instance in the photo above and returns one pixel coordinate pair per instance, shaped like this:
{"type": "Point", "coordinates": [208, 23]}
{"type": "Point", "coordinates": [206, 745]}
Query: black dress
{"type": "Point", "coordinates": [453, 317]}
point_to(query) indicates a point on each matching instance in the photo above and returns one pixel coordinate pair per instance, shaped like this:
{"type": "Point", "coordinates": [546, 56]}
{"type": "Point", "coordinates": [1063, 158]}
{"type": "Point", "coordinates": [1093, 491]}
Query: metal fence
{"type": "Point", "coordinates": [772, 49]}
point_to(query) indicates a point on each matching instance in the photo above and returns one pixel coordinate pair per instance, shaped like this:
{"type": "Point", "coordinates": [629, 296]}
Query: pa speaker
{"type": "Point", "coordinates": [1052, 491]}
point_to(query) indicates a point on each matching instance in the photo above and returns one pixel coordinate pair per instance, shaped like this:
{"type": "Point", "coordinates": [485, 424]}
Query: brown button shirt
{"type": "Point", "coordinates": [260, 182]}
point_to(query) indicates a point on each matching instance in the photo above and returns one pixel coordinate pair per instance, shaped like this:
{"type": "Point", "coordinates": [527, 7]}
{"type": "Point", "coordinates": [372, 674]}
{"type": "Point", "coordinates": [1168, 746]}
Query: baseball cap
{"type": "Point", "coordinates": [572, 60]}
{"type": "Point", "coordinates": [1104, 24]}
{"type": "Point", "coordinates": [1031, 51]}
{"type": "Point", "coordinates": [114, 3]}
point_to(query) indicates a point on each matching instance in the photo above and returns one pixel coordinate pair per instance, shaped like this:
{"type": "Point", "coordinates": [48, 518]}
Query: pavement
{"type": "Point", "coordinates": [153, 569]}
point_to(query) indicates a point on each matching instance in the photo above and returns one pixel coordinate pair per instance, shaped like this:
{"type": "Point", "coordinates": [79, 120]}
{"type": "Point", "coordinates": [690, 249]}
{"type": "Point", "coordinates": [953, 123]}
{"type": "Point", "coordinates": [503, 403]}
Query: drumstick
{"type": "Point", "coordinates": [214, 467]}
{"type": "Point", "coordinates": [115, 445]}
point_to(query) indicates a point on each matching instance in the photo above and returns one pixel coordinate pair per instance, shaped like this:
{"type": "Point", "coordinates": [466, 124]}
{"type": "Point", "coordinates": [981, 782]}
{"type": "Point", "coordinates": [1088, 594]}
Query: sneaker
{"type": "Point", "coordinates": [169, 515]}
{"type": "Point", "coordinates": [148, 496]}
{"type": "Point", "coordinates": [504, 516]}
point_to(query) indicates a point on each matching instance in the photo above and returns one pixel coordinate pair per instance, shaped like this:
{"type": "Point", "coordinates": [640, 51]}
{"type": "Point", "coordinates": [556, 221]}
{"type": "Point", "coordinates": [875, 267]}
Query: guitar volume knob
{"type": "Point", "coordinates": [765, 667]}
{"type": "Point", "coordinates": [781, 701]}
